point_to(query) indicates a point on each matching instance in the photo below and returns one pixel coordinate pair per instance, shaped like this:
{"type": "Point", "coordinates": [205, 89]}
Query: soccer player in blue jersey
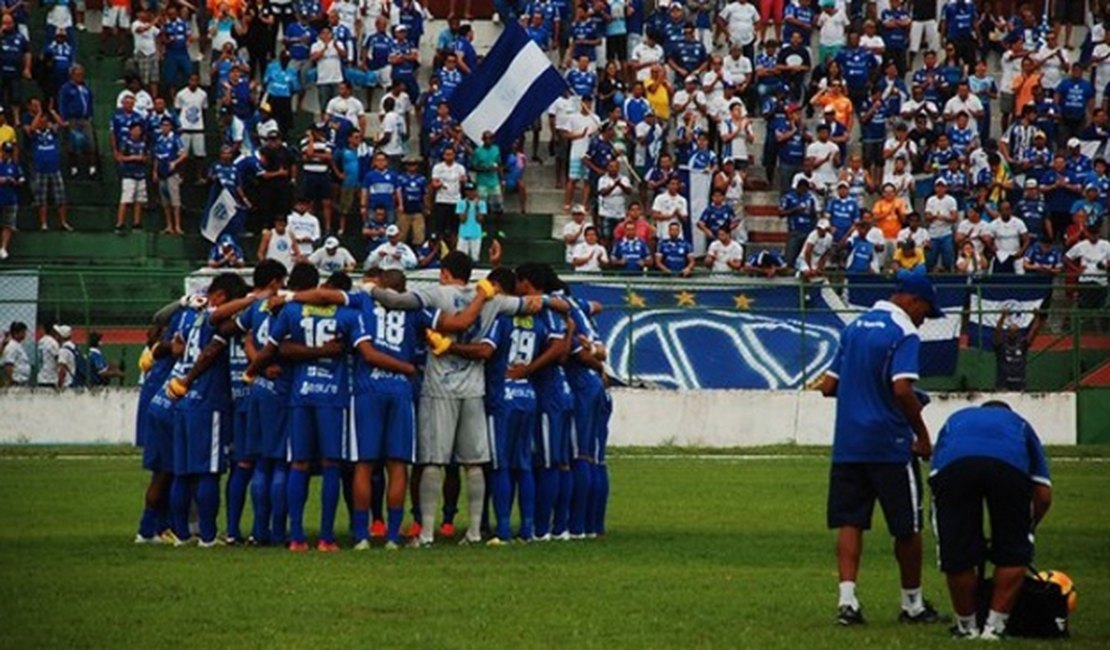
{"type": "Point", "coordinates": [318, 396]}
{"type": "Point", "coordinates": [556, 432]}
{"type": "Point", "coordinates": [267, 430]}
{"type": "Point", "coordinates": [510, 412]}
{"type": "Point", "coordinates": [234, 320]}
{"type": "Point", "coordinates": [154, 424]}
{"type": "Point", "coordinates": [199, 384]}
{"type": "Point", "coordinates": [585, 373]}
{"type": "Point", "coordinates": [878, 437]}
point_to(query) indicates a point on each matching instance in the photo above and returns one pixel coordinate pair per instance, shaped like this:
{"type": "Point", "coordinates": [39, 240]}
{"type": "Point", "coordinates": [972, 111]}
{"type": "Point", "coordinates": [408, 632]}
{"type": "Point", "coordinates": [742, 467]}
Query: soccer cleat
{"type": "Point", "coordinates": [234, 541]}
{"type": "Point", "coordinates": [495, 541]}
{"type": "Point", "coordinates": [414, 530]}
{"type": "Point", "coordinates": [991, 634]}
{"type": "Point", "coordinates": [467, 540]}
{"type": "Point", "coordinates": [377, 529]}
{"type": "Point", "coordinates": [447, 529]}
{"type": "Point", "coordinates": [363, 545]}
{"type": "Point", "coordinates": [578, 537]}
{"type": "Point", "coordinates": [591, 535]}
{"type": "Point", "coordinates": [392, 546]}
{"type": "Point", "coordinates": [957, 632]}
{"type": "Point", "coordinates": [298, 547]}
{"type": "Point", "coordinates": [928, 614]}
{"type": "Point", "coordinates": [324, 546]}
{"type": "Point", "coordinates": [168, 537]}
{"type": "Point", "coordinates": [3, 253]}
{"type": "Point", "coordinates": [140, 540]}
{"type": "Point", "coordinates": [420, 542]}
{"type": "Point", "coordinates": [212, 544]}
{"type": "Point", "coordinates": [543, 538]}
{"type": "Point", "coordinates": [188, 541]}
{"type": "Point", "coordinates": [848, 615]}
{"type": "Point", "coordinates": [563, 536]}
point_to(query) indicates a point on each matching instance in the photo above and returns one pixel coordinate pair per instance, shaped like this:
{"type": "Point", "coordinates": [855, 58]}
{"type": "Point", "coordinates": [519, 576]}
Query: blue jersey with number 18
{"type": "Point", "coordinates": [394, 332]}
{"type": "Point", "coordinates": [321, 382]}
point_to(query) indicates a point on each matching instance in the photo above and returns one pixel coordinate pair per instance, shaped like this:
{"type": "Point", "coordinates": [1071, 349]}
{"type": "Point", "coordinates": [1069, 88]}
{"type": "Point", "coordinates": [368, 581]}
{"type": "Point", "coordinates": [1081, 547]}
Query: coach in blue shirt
{"type": "Point", "coordinates": [987, 454]}
{"type": "Point", "coordinates": [879, 434]}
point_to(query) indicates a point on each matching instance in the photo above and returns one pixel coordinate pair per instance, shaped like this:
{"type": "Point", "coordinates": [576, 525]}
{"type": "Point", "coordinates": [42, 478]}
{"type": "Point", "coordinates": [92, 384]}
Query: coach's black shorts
{"type": "Point", "coordinates": [959, 492]}
{"type": "Point", "coordinates": [854, 488]}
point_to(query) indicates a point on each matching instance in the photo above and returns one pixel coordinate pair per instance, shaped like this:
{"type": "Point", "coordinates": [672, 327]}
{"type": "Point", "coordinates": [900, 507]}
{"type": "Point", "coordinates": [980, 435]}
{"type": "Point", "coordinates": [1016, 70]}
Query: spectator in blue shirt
{"type": "Point", "coordinates": [226, 253]}
{"type": "Point", "coordinates": [176, 64]}
{"type": "Point", "coordinates": [1076, 97]}
{"type": "Point", "coordinates": [957, 23]}
{"type": "Point", "coordinates": [46, 155]}
{"type": "Point", "coordinates": [791, 144]}
{"type": "Point", "coordinates": [101, 372]}
{"type": "Point", "coordinates": [674, 255]}
{"type": "Point", "coordinates": [631, 254]}
{"type": "Point", "coordinates": [987, 454]}
{"type": "Point", "coordinates": [15, 63]}
{"type": "Point", "coordinates": [413, 186]}
{"type": "Point", "coordinates": [11, 179]}
{"type": "Point", "coordinates": [132, 157]}
{"type": "Point", "coordinates": [687, 56]}
{"type": "Point", "coordinates": [799, 208]}
{"type": "Point", "coordinates": [878, 436]}
{"type": "Point", "coordinates": [75, 105]}
{"type": "Point", "coordinates": [895, 31]}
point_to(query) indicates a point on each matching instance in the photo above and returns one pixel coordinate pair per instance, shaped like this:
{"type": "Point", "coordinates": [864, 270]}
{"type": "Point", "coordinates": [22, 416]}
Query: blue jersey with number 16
{"type": "Point", "coordinates": [321, 382]}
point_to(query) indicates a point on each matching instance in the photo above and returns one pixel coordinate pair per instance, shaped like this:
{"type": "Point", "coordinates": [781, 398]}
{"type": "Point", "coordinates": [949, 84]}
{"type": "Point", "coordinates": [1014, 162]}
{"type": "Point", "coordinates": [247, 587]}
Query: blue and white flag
{"type": "Point", "coordinates": [940, 337]}
{"type": "Point", "coordinates": [219, 212]}
{"type": "Point", "coordinates": [1019, 295]}
{"type": "Point", "coordinates": [509, 91]}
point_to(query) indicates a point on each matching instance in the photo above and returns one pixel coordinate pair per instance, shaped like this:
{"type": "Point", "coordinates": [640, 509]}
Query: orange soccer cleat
{"type": "Point", "coordinates": [298, 547]}
{"type": "Point", "coordinates": [327, 547]}
{"type": "Point", "coordinates": [377, 529]}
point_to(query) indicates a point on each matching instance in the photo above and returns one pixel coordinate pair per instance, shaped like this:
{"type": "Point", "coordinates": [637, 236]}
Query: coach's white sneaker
{"type": "Point", "coordinates": [363, 545]}
{"type": "Point", "coordinates": [496, 541]}
{"type": "Point", "coordinates": [563, 536]}
{"type": "Point", "coordinates": [392, 546]}
{"type": "Point", "coordinates": [577, 537]}
{"type": "Point", "coordinates": [188, 541]}
{"type": "Point", "coordinates": [213, 544]}
{"type": "Point", "coordinates": [990, 634]}
{"type": "Point", "coordinates": [139, 539]}
{"type": "Point", "coordinates": [543, 538]}
{"type": "Point", "coordinates": [420, 542]}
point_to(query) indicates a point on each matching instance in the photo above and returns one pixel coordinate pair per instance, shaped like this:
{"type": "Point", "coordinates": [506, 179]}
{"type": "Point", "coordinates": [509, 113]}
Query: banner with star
{"type": "Point", "coordinates": [746, 335]}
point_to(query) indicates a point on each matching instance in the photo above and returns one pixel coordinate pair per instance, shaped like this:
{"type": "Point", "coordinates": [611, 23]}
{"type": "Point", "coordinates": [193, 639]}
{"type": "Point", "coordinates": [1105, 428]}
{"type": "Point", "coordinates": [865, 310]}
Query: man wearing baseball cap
{"type": "Point", "coordinates": [392, 254]}
{"type": "Point", "coordinates": [332, 257]}
{"type": "Point", "coordinates": [878, 437]}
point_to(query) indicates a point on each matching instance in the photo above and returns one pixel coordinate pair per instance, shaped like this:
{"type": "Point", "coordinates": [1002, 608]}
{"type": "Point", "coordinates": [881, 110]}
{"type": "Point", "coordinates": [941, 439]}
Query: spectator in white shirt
{"type": "Point", "coordinates": [67, 358]}
{"type": "Point", "coordinates": [574, 232]}
{"type": "Point", "coordinates": [332, 258]}
{"type": "Point", "coordinates": [644, 55]}
{"type": "Point", "coordinates": [914, 232]}
{"type": "Point", "coordinates": [48, 348]}
{"type": "Point", "coordinates": [815, 251]}
{"type": "Point", "coordinates": [971, 230]}
{"type": "Point", "coordinates": [964, 102]}
{"type": "Point", "coordinates": [613, 190]}
{"type": "Point", "coordinates": [348, 107]}
{"type": "Point", "coordinates": [448, 177]}
{"type": "Point", "coordinates": [738, 20]}
{"type": "Point", "coordinates": [1009, 237]}
{"type": "Point", "coordinates": [1090, 258]}
{"type": "Point", "coordinates": [670, 206]}
{"type": "Point", "coordinates": [393, 254]}
{"type": "Point", "coordinates": [328, 54]}
{"type": "Point", "coordinates": [824, 155]}
{"type": "Point", "coordinates": [15, 365]}
{"type": "Point", "coordinates": [304, 227]}
{"type": "Point", "coordinates": [725, 255]}
{"type": "Point", "coordinates": [590, 256]}
{"type": "Point", "coordinates": [941, 215]}
{"type": "Point", "coordinates": [1054, 62]}
{"type": "Point", "coordinates": [145, 32]}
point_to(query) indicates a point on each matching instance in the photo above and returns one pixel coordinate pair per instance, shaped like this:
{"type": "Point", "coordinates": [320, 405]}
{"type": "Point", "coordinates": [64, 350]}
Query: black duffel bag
{"type": "Point", "coordinates": [1041, 610]}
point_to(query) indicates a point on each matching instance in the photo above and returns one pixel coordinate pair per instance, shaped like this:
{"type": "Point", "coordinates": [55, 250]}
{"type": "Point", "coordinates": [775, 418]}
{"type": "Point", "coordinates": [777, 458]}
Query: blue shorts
{"type": "Point", "coordinates": [176, 68]}
{"type": "Point", "coordinates": [588, 418]}
{"type": "Point", "coordinates": [199, 438]}
{"type": "Point", "coordinates": [317, 186]}
{"type": "Point", "coordinates": [316, 433]}
{"type": "Point", "coordinates": [240, 435]}
{"type": "Point", "coordinates": [554, 438]}
{"type": "Point", "coordinates": [267, 423]}
{"type": "Point", "coordinates": [511, 437]}
{"type": "Point", "coordinates": [384, 428]}
{"type": "Point", "coordinates": [158, 446]}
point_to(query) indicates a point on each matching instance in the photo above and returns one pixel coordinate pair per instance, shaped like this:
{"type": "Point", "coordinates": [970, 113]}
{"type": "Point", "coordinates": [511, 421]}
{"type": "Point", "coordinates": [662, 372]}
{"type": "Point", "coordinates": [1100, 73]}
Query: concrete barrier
{"type": "Point", "coordinates": [705, 418]}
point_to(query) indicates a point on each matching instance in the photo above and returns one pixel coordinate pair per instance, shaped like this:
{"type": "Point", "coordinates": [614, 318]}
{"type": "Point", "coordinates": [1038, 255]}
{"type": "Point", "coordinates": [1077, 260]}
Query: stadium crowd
{"type": "Point", "coordinates": [938, 136]}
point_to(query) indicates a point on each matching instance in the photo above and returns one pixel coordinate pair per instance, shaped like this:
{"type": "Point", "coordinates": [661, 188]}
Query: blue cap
{"type": "Point", "coordinates": [917, 284]}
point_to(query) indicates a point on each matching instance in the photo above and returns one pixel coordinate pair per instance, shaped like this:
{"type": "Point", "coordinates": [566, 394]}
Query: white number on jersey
{"type": "Point", "coordinates": [318, 332]}
{"type": "Point", "coordinates": [523, 347]}
{"type": "Point", "coordinates": [391, 326]}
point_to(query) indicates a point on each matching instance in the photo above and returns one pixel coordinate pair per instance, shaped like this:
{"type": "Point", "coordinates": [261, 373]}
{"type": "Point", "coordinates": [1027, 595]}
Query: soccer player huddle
{"type": "Point", "coordinates": [384, 392]}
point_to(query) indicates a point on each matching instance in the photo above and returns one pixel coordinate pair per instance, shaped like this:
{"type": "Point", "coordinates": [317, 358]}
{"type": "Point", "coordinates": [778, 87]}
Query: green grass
{"type": "Point", "coordinates": [701, 552]}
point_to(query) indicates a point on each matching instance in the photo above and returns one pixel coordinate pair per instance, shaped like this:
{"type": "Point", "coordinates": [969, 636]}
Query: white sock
{"type": "Point", "coordinates": [475, 498]}
{"type": "Point", "coordinates": [431, 485]}
{"type": "Point", "coordinates": [848, 594]}
{"type": "Point", "coordinates": [967, 623]}
{"type": "Point", "coordinates": [911, 601]}
{"type": "Point", "coordinates": [996, 621]}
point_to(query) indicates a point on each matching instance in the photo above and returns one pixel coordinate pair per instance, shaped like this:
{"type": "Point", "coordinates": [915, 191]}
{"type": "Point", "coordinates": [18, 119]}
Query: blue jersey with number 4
{"type": "Point", "coordinates": [321, 382]}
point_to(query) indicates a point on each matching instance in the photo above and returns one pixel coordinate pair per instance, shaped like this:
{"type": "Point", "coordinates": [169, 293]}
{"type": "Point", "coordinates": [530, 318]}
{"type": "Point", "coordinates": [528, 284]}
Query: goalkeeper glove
{"type": "Point", "coordinates": [487, 288]}
{"type": "Point", "coordinates": [176, 388]}
{"type": "Point", "coordinates": [437, 343]}
{"type": "Point", "coordinates": [146, 360]}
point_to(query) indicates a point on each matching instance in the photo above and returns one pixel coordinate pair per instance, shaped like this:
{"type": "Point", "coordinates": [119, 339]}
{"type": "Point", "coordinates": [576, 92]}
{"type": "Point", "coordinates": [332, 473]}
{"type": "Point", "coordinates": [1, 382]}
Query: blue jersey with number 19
{"type": "Point", "coordinates": [394, 332]}
{"type": "Point", "coordinates": [526, 342]}
{"type": "Point", "coordinates": [321, 382]}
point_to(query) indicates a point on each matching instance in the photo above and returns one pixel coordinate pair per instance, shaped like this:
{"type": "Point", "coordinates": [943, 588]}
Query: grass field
{"type": "Point", "coordinates": [701, 551]}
